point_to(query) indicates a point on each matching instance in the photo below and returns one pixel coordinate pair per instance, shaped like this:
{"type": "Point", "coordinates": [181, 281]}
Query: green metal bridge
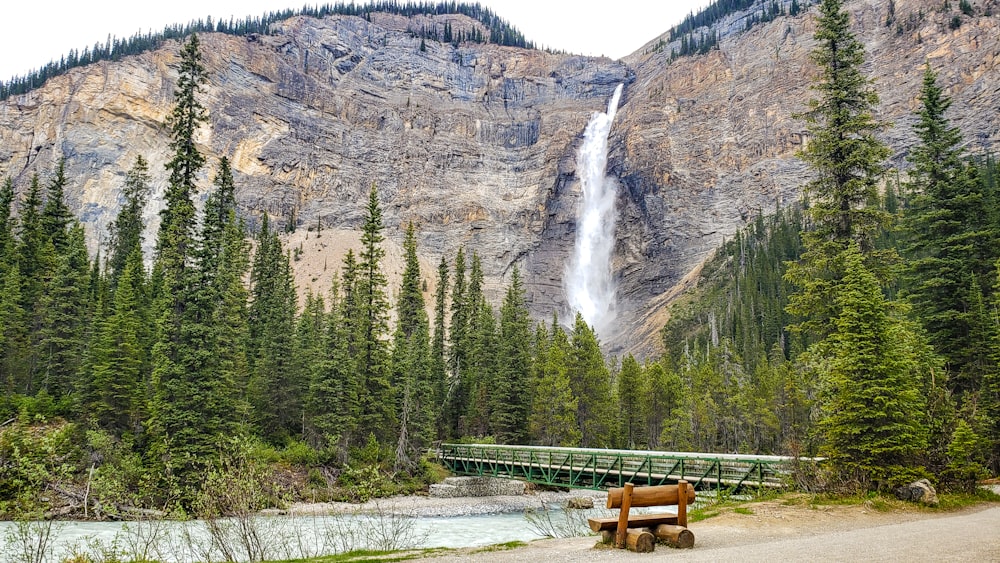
{"type": "Point", "coordinates": [598, 469]}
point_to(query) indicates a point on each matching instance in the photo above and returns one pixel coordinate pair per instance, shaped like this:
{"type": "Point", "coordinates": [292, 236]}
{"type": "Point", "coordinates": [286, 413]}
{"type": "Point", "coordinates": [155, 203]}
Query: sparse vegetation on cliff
{"type": "Point", "coordinates": [499, 32]}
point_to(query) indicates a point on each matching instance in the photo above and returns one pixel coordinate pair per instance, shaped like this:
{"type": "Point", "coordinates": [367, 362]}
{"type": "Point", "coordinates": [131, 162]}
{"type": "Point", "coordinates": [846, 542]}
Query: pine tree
{"type": "Point", "coordinates": [6, 226]}
{"type": "Point", "coordinates": [177, 220]}
{"type": "Point", "coordinates": [875, 389]}
{"type": "Point", "coordinates": [35, 262]}
{"type": "Point", "coordinates": [275, 393]}
{"type": "Point", "coordinates": [965, 459]}
{"type": "Point", "coordinates": [480, 375]}
{"type": "Point", "coordinates": [116, 364]}
{"type": "Point", "coordinates": [372, 327]}
{"type": "Point", "coordinates": [847, 159]}
{"type": "Point", "coordinates": [590, 382]}
{"type": "Point", "coordinates": [56, 217]}
{"type": "Point", "coordinates": [230, 331]}
{"type": "Point", "coordinates": [991, 385]}
{"type": "Point", "coordinates": [308, 350]}
{"type": "Point", "coordinates": [14, 346]}
{"type": "Point", "coordinates": [333, 411]}
{"type": "Point", "coordinates": [661, 403]}
{"type": "Point", "coordinates": [62, 313]}
{"type": "Point", "coordinates": [439, 362]}
{"type": "Point", "coordinates": [458, 394]}
{"type": "Point", "coordinates": [220, 211]}
{"type": "Point", "coordinates": [126, 230]}
{"type": "Point", "coordinates": [951, 241]}
{"type": "Point", "coordinates": [411, 363]}
{"type": "Point", "coordinates": [631, 431]}
{"type": "Point", "coordinates": [13, 324]}
{"type": "Point", "coordinates": [184, 434]}
{"type": "Point", "coordinates": [512, 400]}
{"type": "Point", "coordinates": [552, 420]}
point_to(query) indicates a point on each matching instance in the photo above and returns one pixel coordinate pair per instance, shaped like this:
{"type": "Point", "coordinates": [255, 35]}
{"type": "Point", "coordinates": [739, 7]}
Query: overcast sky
{"type": "Point", "coordinates": [36, 32]}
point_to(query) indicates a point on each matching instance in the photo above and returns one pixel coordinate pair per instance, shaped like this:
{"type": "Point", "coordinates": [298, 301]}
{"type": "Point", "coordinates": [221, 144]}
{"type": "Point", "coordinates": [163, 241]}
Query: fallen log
{"type": "Point", "coordinates": [116, 511]}
{"type": "Point", "coordinates": [634, 521]}
{"type": "Point", "coordinates": [639, 540]}
{"type": "Point", "coordinates": [674, 536]}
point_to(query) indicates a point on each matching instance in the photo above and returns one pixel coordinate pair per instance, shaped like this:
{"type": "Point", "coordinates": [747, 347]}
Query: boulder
{"type": "Point", "coordinates": [580, 503]}
{"type": "Point", "coordinates": [918, 491]}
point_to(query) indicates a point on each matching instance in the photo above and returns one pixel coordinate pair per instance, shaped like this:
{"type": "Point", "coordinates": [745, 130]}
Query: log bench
{"type": "Point", "coordinates": [639, 532]}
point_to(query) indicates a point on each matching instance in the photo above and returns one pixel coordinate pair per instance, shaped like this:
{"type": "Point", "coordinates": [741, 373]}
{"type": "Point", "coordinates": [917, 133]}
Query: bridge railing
{"type": "Point", "coordinates": [597, 469]}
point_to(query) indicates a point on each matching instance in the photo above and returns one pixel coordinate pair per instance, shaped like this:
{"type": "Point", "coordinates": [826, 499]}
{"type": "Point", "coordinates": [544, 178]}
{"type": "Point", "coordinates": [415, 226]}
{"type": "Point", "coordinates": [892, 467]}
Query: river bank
{"type": "Point", "coordinates": [422, 506]}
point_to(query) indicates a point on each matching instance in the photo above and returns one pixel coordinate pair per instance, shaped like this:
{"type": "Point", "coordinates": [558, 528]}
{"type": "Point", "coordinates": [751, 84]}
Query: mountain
{"type": "Point", "coordinates": [476, 143]}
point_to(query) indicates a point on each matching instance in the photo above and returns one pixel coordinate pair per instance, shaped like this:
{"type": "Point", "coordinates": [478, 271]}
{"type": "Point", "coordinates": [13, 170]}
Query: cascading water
{"type": "Point", "coordinates": [588, 282]}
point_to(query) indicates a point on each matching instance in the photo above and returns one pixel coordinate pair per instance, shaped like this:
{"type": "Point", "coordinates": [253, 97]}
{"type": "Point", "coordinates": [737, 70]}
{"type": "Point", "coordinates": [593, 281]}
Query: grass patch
{"type": "Point", "coordinates": [369, 556]}
{"type": "Point", "coordinates": [703, 513]}
{"type": "Point", "coordinates": [956, 501]}
{"type": "Point", "coordinates": [887, 502]}
{"type": "Point", "coordinates": [506, 546]}
{"type": "Point", "coordinates": [743, 510]}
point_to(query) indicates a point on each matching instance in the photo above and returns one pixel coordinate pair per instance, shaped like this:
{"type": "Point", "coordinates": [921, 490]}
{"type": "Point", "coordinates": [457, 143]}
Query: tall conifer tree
{"type": "Point", "coordinates": [185, 436]}
{"type": "Point", "coordinates": [372, 326]}
{"type": "Point", "coordinates": [552, 421]}
{"type": "Point", "coordinates": [877, 383]}
{"type": "Point", "coordinates": [411, 362]}
{"type": "Point", "coordinates": [275, 392]}
{"type": "Point", "coordinates": [513, 390]}
{"type": "Point", "coordinates": [126, 230]}
{"type": "Point", "coordinates": [439, 362]}
{"type": "Point", "coordinates": [459, 394]}
{"type": "Point", "coordinates": [6, 225]}
{"type": "Point", "coordinates": [115, 369]}
{"type": "Point", "coordinates": [332, 405]}
{"type": "Point", "coordinates": [632, 430]}
{"type": "Point", "coordinates": [591, 384]}
{"type": "Point", "coordinates": [847, 159]}
{"type": "Point", "coordinates": [951, 241]}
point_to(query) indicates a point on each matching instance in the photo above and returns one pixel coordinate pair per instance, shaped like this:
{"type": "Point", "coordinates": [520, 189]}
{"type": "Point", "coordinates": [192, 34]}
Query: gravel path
{"type": "Point", "coordinates": [780, 533]}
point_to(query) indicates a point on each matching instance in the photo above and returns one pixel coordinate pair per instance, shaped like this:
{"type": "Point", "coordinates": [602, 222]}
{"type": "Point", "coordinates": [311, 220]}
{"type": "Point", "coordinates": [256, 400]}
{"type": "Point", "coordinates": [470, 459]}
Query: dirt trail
{"type": "Point", "coordinates": [776, 532]}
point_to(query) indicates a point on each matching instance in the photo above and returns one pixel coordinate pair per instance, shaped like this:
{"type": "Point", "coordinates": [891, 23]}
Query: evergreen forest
{"type": "Point", "coordinates": [861, 326]}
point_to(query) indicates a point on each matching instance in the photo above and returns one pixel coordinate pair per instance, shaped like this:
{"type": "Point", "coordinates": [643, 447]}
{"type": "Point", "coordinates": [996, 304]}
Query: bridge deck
{"type": "Point", "coordinates": [597, 469]}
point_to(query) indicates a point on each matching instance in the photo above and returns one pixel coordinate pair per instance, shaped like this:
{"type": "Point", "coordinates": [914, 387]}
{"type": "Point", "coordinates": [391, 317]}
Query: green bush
{"type": "Point", "coordinates": [365, 482]}
{"type": "Point", "coordinates": [966, 457]}
{"type": "Point", "coordinates": [32, 457]}
{"type": "Point", "coordinates": [299, 453]}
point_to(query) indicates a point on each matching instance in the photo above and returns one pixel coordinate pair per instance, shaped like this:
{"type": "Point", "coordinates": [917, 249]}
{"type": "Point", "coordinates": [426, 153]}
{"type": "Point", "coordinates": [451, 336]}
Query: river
{"type": "Point", "coordinates": [280, 537]}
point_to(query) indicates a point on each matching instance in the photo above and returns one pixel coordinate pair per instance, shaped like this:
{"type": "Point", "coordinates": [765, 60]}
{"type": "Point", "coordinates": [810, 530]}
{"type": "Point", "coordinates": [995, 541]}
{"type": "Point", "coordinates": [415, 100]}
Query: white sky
{"type": "Point", "coordinates": [36, 32]}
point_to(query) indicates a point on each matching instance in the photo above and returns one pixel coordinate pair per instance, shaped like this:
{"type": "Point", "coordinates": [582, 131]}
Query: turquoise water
{"type": "Point", "coordinates": [283, 537]}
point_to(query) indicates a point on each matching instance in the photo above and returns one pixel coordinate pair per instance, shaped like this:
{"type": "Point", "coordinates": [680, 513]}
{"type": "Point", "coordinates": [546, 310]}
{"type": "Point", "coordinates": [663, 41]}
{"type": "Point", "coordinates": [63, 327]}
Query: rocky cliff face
{"type": "Point", "coordinates": [476, 144]}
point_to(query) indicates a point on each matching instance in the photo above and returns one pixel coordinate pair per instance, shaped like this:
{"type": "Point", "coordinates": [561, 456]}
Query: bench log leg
{"type": "Point", "coordinates": [640, 540]}
{"type": "Point", "coordinates": [623, 516]}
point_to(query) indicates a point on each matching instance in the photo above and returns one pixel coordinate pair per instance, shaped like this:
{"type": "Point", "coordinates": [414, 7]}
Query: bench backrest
{"type": "Point", "coordinates": [661, 495]}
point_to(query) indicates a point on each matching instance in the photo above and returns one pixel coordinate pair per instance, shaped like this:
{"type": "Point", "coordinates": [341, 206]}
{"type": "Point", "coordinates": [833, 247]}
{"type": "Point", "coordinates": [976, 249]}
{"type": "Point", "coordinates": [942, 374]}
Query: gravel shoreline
{"type": "Point", "coordinates": [426, 506]}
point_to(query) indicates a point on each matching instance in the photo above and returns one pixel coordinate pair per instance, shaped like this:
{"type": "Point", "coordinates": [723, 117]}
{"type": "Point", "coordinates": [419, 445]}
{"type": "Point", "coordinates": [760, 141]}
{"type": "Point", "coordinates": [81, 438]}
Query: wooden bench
{"type": "Point", "coordinates": [639, 532]}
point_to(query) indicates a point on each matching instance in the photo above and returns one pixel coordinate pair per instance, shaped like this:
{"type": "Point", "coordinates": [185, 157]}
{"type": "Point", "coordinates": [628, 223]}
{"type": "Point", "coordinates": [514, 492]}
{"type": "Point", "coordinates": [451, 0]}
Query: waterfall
{"type": "Point", "coordinates": [589, 286]}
